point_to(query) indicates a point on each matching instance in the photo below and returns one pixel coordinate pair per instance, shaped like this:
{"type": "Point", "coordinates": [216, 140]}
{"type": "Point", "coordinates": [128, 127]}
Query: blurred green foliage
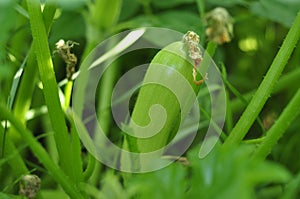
{"type": "Point", "coordinates": [259, 28]}
{"type": "Point", "coordinates": [222, 174]}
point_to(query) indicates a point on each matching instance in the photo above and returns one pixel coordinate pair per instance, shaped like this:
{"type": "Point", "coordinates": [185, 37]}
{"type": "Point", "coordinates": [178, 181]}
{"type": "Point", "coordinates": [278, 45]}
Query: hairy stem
{"type": "Point", "coordinates": [279, 128]}
{"type": "Point", "coordinates": [266, 87]}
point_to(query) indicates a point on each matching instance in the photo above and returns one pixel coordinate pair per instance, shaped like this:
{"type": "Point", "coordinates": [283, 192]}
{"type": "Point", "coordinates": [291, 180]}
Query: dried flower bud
{"type": "Point", "coordinates": [63, 49]}
{"type": "Point", "coordinates": [29, 186]}
{"type": "Point", "coordinates": [220, 28]}
{"type": "Point", "coordinates": [182, 160]}
{"type": "Point", "coordinates": [191, 40]}
{"type": "Point", "coordinates": [269, 120]}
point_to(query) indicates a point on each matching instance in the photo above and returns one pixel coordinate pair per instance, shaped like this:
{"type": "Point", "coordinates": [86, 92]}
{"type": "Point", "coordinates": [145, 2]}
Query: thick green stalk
{"type": "Point", "coordinates": [36, 148]}
{"type": "Point", "coordinates": [50, 89]}
{"type": "Point", "coordinates": [279, 128]}
{"type": "Point", "coordinates": [266, 87]}
{"type": "Point", "coordinates": [23, 98]}
{"type": "Point", "coordinates": [24, 95]}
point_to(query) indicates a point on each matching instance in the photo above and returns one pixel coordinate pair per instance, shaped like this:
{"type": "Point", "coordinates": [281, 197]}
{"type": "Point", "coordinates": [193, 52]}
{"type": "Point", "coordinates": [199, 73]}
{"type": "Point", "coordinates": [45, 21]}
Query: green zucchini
{"type": "Point", "coordinates": [174, 67]}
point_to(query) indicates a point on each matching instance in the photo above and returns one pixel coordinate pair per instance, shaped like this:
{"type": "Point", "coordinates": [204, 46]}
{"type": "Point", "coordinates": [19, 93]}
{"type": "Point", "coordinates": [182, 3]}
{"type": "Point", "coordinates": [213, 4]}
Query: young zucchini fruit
{"type": "Point", "coordinates": [168, 93]}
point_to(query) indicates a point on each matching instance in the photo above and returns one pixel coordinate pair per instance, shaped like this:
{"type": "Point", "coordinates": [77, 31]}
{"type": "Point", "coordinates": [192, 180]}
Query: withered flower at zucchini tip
{"type": "Point", "coordinates": [191, 40]}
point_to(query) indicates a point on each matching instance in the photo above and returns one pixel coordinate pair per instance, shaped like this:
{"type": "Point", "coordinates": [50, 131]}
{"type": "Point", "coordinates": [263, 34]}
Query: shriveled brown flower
{"type": "Point", "coordinates": [29, 186]}
{"type": "Point", "coordinates": [220, 26]}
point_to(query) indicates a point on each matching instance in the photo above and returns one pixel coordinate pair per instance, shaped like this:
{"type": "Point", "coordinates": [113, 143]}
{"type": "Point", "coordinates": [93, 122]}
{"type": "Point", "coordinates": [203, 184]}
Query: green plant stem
{"type": "Point", "coordinates": [147, 7]}
{"type": "Point", "coordinates": [254, 141]}
{"type": "Point", "coordinates": [284, 82]}
{"type": "Point", "coordinates": [279, 128]}
{"type": "Point", "coordinates": [25, 90]}
{"type": "Point", "coordinates": [90, 167]}
{"type": "Point", "coordinates": [243, 99]}
{"type": "Point", "coordinates": [265, 88]}
{"type": "Point", "coordinates": [201, 10]}
{"type": "Point", "coordinates": [208, 55]}
{"type": "Point", "coordinates": [104, 106]}
{"type": "Point", "coordinates": [100, 19]}
{"type": "Point", "coordinates": [42, 155]}
{"type": "Point", "coordinates": [23, 98]}
{"type": "Point", "coordinates": [211, 48]}
{"type": "Point", "coordinates": [50, 88]}
{"type": "Point", "coordinates": [68, 94]}
{"type": "Point", "coordinates": [229, 120]}
{"type": "Point", "coordinates": [214, 124]}
{"type": "Point", "coordinates": [77, 170]}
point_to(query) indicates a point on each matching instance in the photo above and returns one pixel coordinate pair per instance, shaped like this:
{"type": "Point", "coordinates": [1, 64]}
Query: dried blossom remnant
{"type": "Point", "coordinates": [29, 186]}
{"type": "Point", "coordinates": [269, 120]}
{"type": "Point", "coordinates": [182, 160]}
{"type": "Point", "coordinates": [63, 49]}
{"type": "Point", "coordinates": [220, 28]}
{"type": "Point", "coordinates": [191, 39]}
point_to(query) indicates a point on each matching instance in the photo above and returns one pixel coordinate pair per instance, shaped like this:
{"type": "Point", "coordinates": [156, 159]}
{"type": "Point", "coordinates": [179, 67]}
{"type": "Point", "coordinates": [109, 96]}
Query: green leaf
{"type": "Point", "coordinates": [112, 188]}
{"type": "Point", "coordinates": [67, 4]}
{"type": "Point", "coordinates": [227, 3]}
{"type": "Point", "coordinates": [49, 194]}
{"type": "Point", "coordinates": [69, 26]}
{"type": "Point", "coordinates": [104, 14]}
{"type": "Point", "coordinates": [8, 18]}
{"type": "Point", "coordinates": [182, 21]}
{"type": "Point", "coordinates": [169, 182]}
{"type": "Point", "coordinates": [230, 173]}
{"type": "Point", "coordinates": [170, 3]}
{"type": "Point", "coordinates": [276, 10]}
{"type": "Point", "coordinates": [4, 196]}
{"type": "Point", "coordinates": [139, 21]}
{"type": "Point", "coordinates": [129, 8]}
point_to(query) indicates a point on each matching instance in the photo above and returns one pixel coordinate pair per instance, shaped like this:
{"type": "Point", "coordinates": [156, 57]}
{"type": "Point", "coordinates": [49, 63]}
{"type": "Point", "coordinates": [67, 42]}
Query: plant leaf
{"type": "Point", "coordinates": [170, 3]}
{"type": "Point", "coordinates": [272, 9]}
